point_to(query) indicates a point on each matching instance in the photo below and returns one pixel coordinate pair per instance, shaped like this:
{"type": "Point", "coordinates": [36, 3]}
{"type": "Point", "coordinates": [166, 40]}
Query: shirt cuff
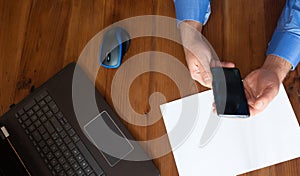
{"type": "Point", "coordinates": [195, 10]}
{"type": "Point", "coordinates": [285, 45]}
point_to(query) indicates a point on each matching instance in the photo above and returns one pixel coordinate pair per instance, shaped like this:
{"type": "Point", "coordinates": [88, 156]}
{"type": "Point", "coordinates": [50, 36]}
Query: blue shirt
{"type": "Point", "coordinates": [285, 41]}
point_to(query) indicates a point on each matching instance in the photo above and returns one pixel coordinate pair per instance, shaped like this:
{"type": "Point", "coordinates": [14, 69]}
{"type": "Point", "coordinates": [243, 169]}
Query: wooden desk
{"type": "Point", "coordinates": [38, 38]}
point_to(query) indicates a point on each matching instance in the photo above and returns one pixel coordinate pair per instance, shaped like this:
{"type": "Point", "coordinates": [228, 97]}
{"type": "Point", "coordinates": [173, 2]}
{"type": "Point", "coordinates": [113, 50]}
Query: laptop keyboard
{"type": "Point", "coordinates": [55, 139]}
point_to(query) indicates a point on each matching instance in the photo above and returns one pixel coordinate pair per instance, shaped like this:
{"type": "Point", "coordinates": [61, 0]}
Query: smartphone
{"type": "Point", "coordinates": [229, 94]}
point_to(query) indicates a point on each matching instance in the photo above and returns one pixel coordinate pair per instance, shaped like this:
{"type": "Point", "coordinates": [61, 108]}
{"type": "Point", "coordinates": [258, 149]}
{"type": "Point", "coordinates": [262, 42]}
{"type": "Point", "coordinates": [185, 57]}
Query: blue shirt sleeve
{"type": "Point", "coordinates": [196, 10]}
{"type": "Point", "coordinates": [285, 41]}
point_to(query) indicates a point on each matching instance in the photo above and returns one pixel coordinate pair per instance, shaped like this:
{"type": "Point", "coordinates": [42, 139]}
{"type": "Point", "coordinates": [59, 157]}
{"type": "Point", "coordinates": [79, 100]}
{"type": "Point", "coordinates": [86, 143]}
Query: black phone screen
{"type": "Point", "coordinates": [229, 92]}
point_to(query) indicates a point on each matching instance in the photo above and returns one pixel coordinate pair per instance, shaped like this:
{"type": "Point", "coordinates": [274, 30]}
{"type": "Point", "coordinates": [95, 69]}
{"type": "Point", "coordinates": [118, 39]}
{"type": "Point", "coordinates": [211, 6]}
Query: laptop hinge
{"type": "Point", "coordinates": [4, 133]}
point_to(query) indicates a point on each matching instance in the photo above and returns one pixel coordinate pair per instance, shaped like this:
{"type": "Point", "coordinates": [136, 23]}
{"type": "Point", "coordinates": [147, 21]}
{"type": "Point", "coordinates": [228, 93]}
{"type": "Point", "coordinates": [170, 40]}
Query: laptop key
{"type": "Point", "coordinates": [67, 154]}
{"type": "Point", "coordinates": [45, 109]}
{"type": "Point", "coordinates": [35, 108]}
{"type": "Point", "coordinates": [45, 149]}
{"type": "Point", "coordinates": [71, 160]}
{"type": "Point", "coordinates": [67, 139]}
{"type": "Point", "coordinates": [29, 105]}
{"type": "Point", "coordinates": [58, 168]}
{"type": "Point", "coordinates": [63, 134]}
{"type": "Point", "coordinates": [42, 103]}
{"type": "Point", "coordinates": [67, 126]}
{"type": "Point", "coordinates": [63, 147]}
{"type": "Point", "coordinates": [42, 129]}
{"type": "Point", "coordinates": [50, 142]}
{"type": "Point", "coordinates": [49, 114]}
{"type": "Point", "coordinates": [20, 120]}
{"type": "Point", "coordinates": [75, 151]}
{"type": "Point", "coordinates": [58, 154]}
{"type": "Point", "coordinates": [24, 117]}
{"type": "Point", "coordinates": [70, 172]}
{"type": "Point", "coordinates": [17, 116]}
{"type": "Point", "coordinates": [62, 173]}
{"type": "Point", "coordinates": [62, 160]}
{"type": "Point", "coordinates": [49, 127]}
{"type": "Point", "coordinates": [89, 158]}
{"type": "Point", "coordinates": [31, 128]}
{"type": "Point", "coordinates": [49, 166]}
{"type": "Point", "coordinates": [79, 158]}
{"type": "Point", "coordinates": [53, 148]}
{"type": "Point", "coordinates": [43, 118]}
{"type": "Point", "coordinates": [75, 166]}
{"type": "Point", "coordinates": [36, 136]}
{"type": "Point", "coordinates": [42, 144]}
{"type": "Point", "coordinates": [27, 122]}
{"type": "Point", "coordinates": [21, 112]}
{"type": "Point", "coordinates": [30, 112]}
{"type": "Point", "coordinates": [37, 123]}
{"type": "Point", "coordinates": [42, 155]}
{"type": "Point", "coordinates": [46, 136]}
{"type": "Point", "coordinates": [53, 106]}
{"type": "Point", "coordinates": [38, 149]}
{"type": "Point", "coordinates": [34, 118]}
{"type": "Point", "coordinates": [39, 113]}
{"type": "Point", "coordinates": [83, 164]}
{"type": "Point", "coordinates": [58, 141]}
{"type": "Point", "coordinates": [66, 166]}
{"type": "Point", "coordinates": [49, 156]}
{"type": "Point", "coordinates": [30, 137]}
{"type": "Point", "coordinates": [75, 138]}
{"type": "Point", "coordinates": [71, 146]}
{"type": "Point", "coordinates": [41, 96]}
{"type": "Point", "coordinates": [54, 135]}
{"type": "Point", "coordinates": [71, 132]}
{"type": "Point", "coordinates": [53, 162]}
{"type": "Point", "coordinates": [88, 170]}
{"type": "Point", "coordinates": [48, 99]}
{"type": "Point", "coordinates": [56, 124]}
{"type": "Point", "coordinates": [59, 115]}
{"type": "Point", "coordinates": [79, 172]}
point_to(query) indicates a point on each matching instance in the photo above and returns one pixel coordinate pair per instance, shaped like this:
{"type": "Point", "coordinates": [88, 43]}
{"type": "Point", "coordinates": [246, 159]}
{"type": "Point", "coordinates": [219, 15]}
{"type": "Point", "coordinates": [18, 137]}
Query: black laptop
{"type": "Point", "coordinates": [41, 135]}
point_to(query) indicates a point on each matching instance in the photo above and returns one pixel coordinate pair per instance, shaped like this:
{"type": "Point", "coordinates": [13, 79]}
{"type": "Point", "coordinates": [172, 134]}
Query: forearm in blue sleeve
{"type": "Point", "coordinates": [285, 41]}
{"type": "Point", "coordinates": [196, 10]}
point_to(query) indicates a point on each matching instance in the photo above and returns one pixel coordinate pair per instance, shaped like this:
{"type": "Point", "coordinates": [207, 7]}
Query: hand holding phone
{"type": "Point", "coordinates": [229, 94]}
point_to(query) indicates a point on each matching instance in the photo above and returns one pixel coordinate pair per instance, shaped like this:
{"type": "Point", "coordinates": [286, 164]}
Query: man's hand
{"type": "Point", "coordinates": [198, 54]}
{"type": "Point", "coordinates": [262, 85]}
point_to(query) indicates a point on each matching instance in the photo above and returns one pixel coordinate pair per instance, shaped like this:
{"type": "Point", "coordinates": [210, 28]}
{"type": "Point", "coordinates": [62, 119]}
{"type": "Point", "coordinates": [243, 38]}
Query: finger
{"type": "Point", "coordinates": [253, 111]}
{"type": "Point", "coordinates": [251, 98]}
{"type": "Point", "coordinates": [214, 107]}
{"type": "Point", "coordinates": [249, 94]}
{"type": "Point", "coordinates": [206, 75]}
{"type": "Point", "coordinates": [227, 64]}
{"type": "Point", "coordinates": [217, 63]}
{"type": "Point", "coordinates": [202, 77]}
{"type": "Point", "coordinates": [251, 103]}
{"type": "Point", "coordinates": [263, 100]}
{"type": "Point", "coordinates": [201, 73]}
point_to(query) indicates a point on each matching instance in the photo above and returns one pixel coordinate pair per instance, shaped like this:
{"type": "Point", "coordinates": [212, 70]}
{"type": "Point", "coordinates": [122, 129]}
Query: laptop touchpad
{"type": "Point", "coordinates": [108, 138]}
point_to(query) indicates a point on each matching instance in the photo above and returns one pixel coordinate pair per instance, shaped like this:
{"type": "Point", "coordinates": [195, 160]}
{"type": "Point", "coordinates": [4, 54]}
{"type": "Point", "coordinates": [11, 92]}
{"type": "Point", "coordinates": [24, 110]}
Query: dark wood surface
{"type": "Point", "coordinates": [40, 37]}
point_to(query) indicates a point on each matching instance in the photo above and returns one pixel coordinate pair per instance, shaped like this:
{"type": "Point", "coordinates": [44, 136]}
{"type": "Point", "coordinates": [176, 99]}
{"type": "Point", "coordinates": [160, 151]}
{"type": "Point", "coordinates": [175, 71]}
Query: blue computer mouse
{"type": "Point", "coordinates": [114, 45]}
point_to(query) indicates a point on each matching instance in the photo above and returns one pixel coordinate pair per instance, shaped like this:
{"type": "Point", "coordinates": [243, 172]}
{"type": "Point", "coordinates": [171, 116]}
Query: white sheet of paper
{"type": "Point", "coordinates": [239, 145]}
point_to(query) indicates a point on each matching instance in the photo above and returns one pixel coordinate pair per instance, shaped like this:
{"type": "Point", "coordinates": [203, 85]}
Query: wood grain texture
{"type": "Point", "coordinates": [38, 38]}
